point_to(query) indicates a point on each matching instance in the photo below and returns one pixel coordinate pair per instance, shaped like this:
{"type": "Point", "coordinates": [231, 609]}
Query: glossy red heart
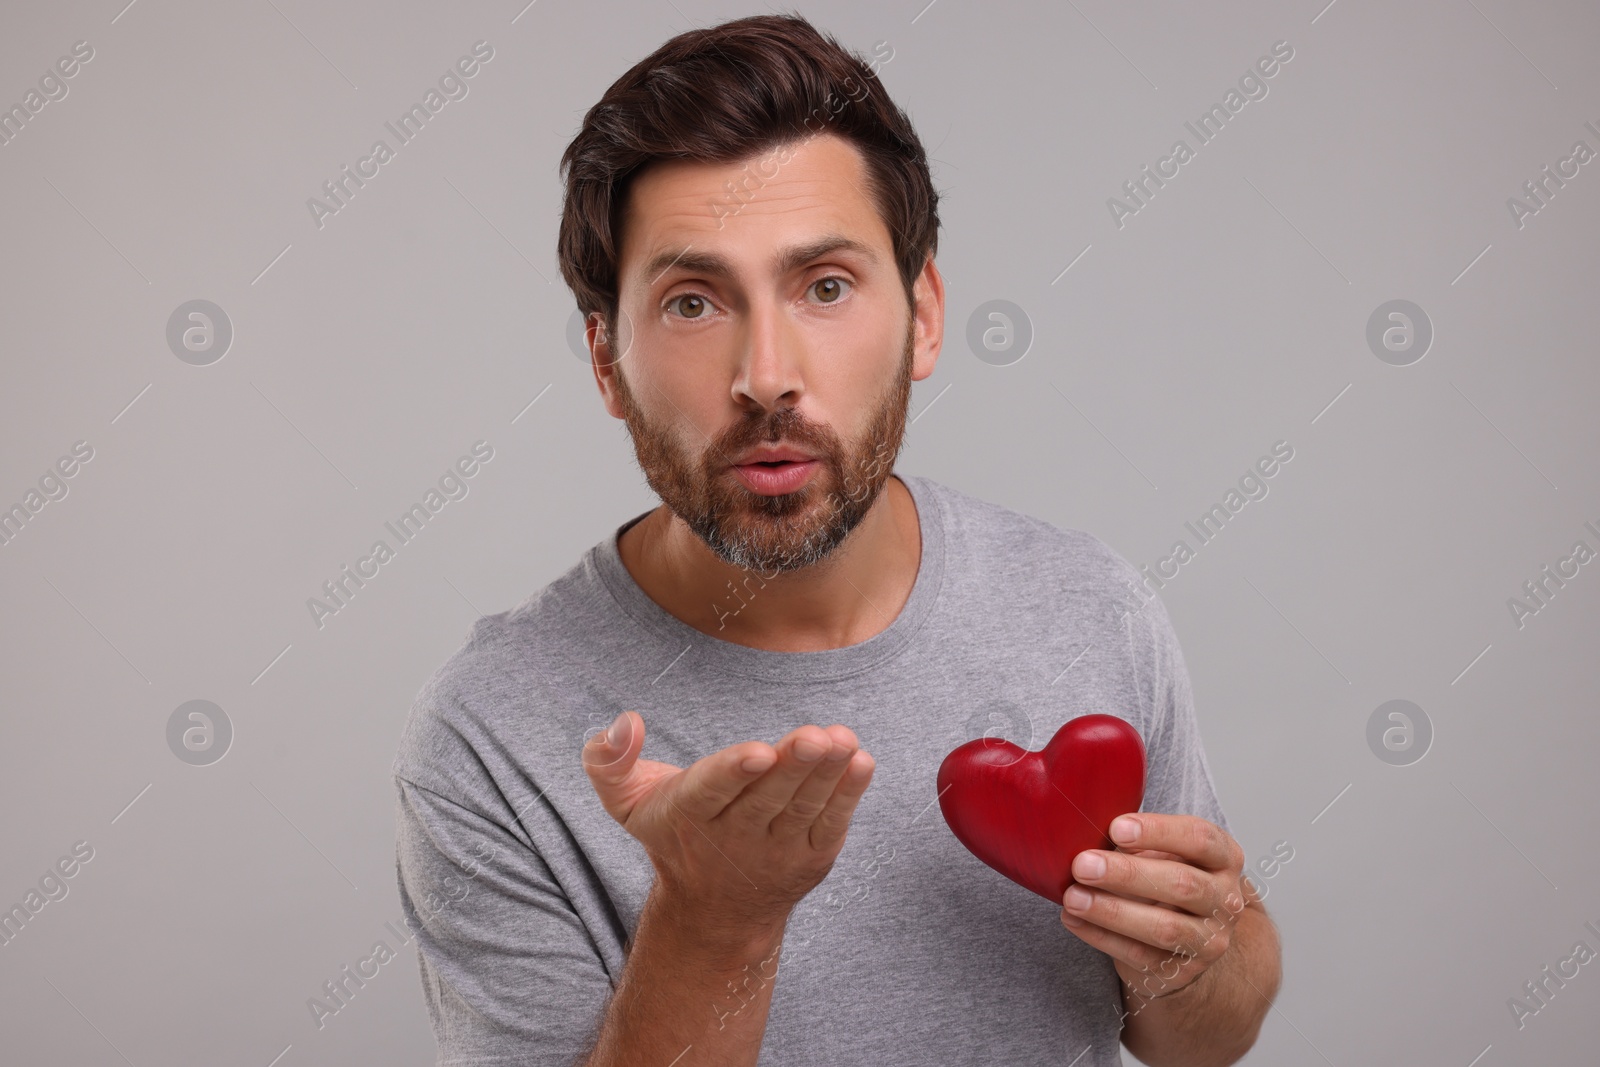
{"type": "Point", "coordinates": [1028, 814]}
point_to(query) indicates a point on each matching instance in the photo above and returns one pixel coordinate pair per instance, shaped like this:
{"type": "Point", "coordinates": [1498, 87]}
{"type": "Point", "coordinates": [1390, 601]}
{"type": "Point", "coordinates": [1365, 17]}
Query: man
{"type": "Point", "coordinates": [749, 227]}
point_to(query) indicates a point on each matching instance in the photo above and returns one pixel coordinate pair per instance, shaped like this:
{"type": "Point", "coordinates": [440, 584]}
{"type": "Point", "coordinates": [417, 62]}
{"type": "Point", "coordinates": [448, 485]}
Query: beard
{"type": "Point", "coordinates": [790, 531]}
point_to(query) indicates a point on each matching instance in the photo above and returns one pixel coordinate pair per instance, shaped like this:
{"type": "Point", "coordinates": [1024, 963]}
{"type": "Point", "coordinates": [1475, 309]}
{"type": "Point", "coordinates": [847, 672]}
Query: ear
{"type": "Point", "coordinates": [927, 321]}
{"type": "Point", "coordinates": [603, 359]}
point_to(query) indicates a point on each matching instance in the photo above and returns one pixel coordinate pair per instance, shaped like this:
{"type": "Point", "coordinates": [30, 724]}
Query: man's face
{"type": "Point", "coordinates": [770, 318]}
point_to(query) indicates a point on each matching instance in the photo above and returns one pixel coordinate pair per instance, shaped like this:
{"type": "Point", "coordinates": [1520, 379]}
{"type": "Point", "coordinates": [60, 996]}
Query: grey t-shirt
{"type": "Point", "coordinates": [523, 892]}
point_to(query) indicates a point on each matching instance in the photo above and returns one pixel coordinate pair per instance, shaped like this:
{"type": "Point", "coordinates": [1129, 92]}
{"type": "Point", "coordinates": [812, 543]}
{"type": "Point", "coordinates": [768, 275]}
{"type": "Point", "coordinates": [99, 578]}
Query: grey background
{"type": "Point", "coordinates": [369, 354]}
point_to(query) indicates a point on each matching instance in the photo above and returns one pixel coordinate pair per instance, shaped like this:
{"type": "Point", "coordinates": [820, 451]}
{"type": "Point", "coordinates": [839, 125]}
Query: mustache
{"type": "Point", "coordinates": [785, 426]}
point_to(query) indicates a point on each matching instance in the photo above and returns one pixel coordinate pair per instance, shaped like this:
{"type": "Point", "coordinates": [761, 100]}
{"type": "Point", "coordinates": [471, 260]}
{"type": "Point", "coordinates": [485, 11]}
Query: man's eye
{"type": "Point", "coordinates": [688, 305]}
{"type": "Point", "coordinates": [829, 290]}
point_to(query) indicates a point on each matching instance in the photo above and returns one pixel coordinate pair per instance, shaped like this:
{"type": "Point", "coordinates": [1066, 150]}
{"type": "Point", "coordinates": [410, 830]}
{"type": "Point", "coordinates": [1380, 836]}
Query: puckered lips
{"type": "Point", "coordinates": [773, 470]}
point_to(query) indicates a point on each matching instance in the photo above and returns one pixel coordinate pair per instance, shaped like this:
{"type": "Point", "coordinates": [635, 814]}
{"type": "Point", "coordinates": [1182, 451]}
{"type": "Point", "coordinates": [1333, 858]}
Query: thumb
{"type": "Point", "coordinates": [609, 755]}
{"type": "Point", "coordinates": [610, 758]}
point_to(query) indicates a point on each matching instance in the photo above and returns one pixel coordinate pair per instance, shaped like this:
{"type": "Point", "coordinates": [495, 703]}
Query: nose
{"type": "Point", "coordinates": [772, 359]}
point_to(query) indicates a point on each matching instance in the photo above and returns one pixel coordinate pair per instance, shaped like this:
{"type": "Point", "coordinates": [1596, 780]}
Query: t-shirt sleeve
{"type": "Point", "coordinates": [1177, 776]}
{"type": "Point", "coordinates": [510, 973]}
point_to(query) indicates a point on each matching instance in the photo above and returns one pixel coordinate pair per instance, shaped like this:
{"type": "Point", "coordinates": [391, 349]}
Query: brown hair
{"type": "Point", "coordinates": [725, 93]}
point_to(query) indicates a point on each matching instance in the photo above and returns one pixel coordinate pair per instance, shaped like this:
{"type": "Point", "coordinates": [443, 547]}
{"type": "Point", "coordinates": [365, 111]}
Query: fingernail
{"type": "Point", "coordinates": [614, 733]}
{"type": "Point", "coordinates": [1078, 898]}
{"type": "Point", "coordinates": [1089, 865]}
{"type": "Point", "coordinates": [1124, 831]}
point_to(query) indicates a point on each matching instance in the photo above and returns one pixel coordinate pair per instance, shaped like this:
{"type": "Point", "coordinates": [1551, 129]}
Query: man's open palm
{"type": "Point", "coordinates": [751, 828]}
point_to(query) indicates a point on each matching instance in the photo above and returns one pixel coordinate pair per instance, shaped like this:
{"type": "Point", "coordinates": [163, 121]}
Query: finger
{"type": "Point", "coordinates": [812, 795]}
{"type": "Point", "coordinates": [1152, 924]}
{"type": "Point", "coordinates": [799, 752]}
{"type": "Point", "coordinates": [1153, 853]}
{"type": "Point", "coordinates": [1160, 972]}
{"type": "Point", "coordinates": [828, 831]}
{"type": "Point", "coordinates": [711, 784]}
{"type": "Point", "coordinates": [1197, 840]}
{"type": "Point", "coordinates": [1174, 882]}
{"type": "Point", "coordinates": [1129, 950]}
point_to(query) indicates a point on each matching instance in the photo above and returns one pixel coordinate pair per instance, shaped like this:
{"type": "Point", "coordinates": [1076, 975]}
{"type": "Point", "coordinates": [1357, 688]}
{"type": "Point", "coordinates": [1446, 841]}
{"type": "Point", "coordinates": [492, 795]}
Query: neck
{"type": "Point", "coordinates": [844, 600]}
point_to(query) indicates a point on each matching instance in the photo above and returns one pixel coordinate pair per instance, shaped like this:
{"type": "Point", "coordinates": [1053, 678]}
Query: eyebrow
{"type": "Point", "coordinates": [717, 266]}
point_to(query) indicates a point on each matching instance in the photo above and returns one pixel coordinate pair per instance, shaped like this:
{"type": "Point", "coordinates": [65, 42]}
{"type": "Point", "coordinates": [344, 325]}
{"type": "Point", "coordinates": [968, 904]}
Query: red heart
{"type": "Point", "coordinates": [1028, 814]}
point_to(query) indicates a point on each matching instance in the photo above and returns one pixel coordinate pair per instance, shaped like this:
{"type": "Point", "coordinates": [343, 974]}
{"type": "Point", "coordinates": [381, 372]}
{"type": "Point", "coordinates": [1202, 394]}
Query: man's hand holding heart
{"type": "Point", "coordinates": [1164, 905]}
